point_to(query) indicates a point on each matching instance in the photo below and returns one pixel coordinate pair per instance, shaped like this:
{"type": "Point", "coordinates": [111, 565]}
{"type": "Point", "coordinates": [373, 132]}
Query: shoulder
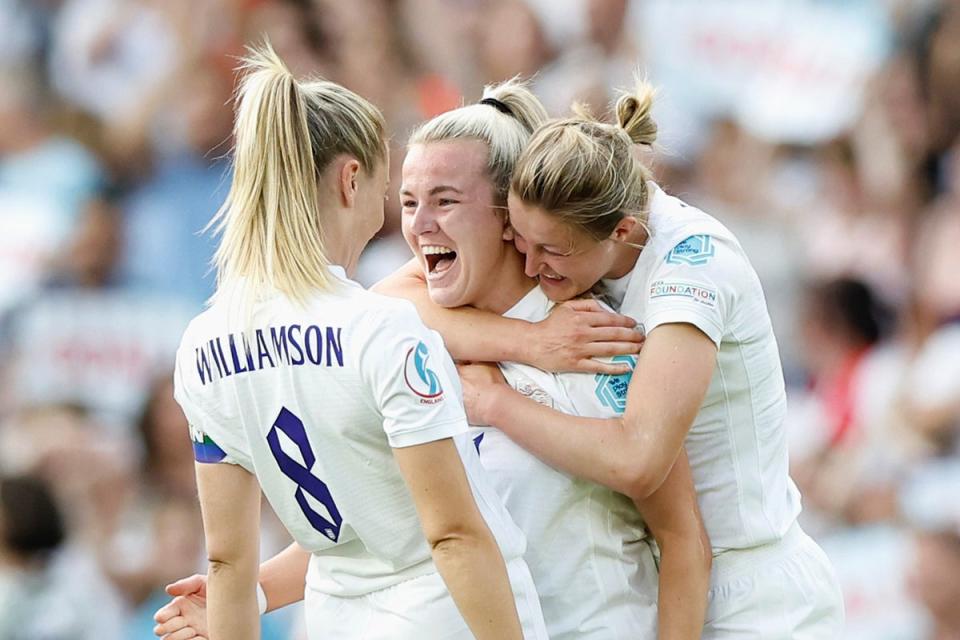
{"type": "Point", "coordinates": [686, 237]}
{"type": "Point", "coordinates": [673, 223]}
{"type": "Point", "coordinates": [379, 321]}
{"type": "Point", "coordinates": [200, 328]}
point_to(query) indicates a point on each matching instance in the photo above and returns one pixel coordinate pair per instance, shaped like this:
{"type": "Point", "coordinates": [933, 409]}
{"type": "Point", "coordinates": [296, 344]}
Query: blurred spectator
{"type": "Point", "coordinates": [933, 581]}
{"type": "Point", "coordinates": [167, 212]}
{"type": "Point", "coordinates": [825, 134]}
{"type": "Point", "coordinates": [109, 56]}
{"type": "Point", "coordinates": [44, 178]}
{"type": "Point", "coordinates": [47, 592]}
{"type": "Point", "coordinates": [842, 323]}
{"type": "Point", "coordinates": [92, 253]}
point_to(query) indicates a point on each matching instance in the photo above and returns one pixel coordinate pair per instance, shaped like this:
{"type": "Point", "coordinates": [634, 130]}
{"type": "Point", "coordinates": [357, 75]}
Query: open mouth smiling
{"type": "Point", "coordinates": [439, 259]}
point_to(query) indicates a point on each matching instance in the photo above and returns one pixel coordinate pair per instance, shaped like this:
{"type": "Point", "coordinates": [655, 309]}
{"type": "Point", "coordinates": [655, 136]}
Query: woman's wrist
{"type": "Point", "coordinates": [528, 344]}
{"type": "Point", "coordinates": [495, 399]}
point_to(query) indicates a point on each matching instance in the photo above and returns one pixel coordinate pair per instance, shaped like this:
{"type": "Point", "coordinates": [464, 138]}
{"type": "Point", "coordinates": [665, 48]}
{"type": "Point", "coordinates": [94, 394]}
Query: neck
{"type": "Point", "coordinates": [508, 283]}
{"type": "Point", "coordinates": [341, 244]}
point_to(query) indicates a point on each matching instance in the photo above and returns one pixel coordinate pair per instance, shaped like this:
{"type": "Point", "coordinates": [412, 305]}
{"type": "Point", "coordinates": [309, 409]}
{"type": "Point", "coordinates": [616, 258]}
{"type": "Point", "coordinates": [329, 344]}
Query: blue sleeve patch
{"type": "Point", "coordinates": [695, 251]}
{"type": "Point", "coordinates": [204, 448]}
{"type": "Point", "coordinates": [612, 390]}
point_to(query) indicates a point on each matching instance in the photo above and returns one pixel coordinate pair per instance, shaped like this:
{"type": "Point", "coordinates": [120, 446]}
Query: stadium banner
{"type": "Point", "coordinates": [791, 72]}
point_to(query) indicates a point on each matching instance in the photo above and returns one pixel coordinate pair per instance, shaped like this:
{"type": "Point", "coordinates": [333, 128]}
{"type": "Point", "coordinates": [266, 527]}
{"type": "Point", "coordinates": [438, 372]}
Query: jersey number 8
{"type": "Point", "coordinates": [301, 474]}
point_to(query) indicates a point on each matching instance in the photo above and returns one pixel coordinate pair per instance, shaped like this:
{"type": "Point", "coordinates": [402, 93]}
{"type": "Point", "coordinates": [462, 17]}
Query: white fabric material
{"type": "Point", "coordinates": [587, 548]}
{"type": "Point", "coordinates": [413, 610]}
{"type": "Point", "coordinates": [361, 374]}
{"type": "Point", "coordinates": [261, 600]}
{"type": "Point", "coordinates": [694, 271]}
{"type": "Point", "coordinates": [786, 590]}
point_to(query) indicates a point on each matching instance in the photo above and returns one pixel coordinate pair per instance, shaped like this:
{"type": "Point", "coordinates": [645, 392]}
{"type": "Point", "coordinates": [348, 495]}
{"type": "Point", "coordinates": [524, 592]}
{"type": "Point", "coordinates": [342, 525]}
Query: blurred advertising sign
{"type": "Point", "coordinates": [872, 564]}
{"type": "Point", "coordinates": [100, 349]}
{"type": "Point", "coordinates": [787, 71]}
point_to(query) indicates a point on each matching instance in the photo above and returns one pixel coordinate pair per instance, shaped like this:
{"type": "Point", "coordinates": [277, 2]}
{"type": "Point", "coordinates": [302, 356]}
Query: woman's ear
{"type": "Point", "coordinates": [508, 233]}
{"type": "Point", "coordinates": [347, 181]}
{"type": "Point", "coordinates": [623, 229]}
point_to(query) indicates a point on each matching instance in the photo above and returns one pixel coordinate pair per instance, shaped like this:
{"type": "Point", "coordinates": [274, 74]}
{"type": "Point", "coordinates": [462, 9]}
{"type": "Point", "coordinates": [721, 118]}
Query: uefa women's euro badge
{"type": "Point", "coordinates": [420, 378]}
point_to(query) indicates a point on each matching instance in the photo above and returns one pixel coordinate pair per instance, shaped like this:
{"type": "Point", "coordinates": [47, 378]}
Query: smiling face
{"type": "Point", "coordinates": [567, 260]}
{"type": "Point", "coordinates": [454, 227]}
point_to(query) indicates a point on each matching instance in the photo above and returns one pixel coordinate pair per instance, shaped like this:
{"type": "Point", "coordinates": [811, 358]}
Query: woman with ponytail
{"type": "Point", "coordinates": [336, 402]}
{"type": "Point", "coordinates": [588, 548]}
{"type": "Point", "coordinates": [589, 218]}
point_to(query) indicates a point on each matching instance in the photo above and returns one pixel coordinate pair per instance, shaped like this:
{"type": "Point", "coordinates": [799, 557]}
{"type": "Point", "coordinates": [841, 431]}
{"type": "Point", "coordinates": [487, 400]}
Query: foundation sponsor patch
{"type": "Point", "coordinates": [699, 293]}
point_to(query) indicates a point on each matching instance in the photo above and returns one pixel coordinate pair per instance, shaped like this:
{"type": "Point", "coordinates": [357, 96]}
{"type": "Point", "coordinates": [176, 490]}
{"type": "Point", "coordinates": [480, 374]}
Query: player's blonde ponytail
{"type": "Point", "coordinates": [585, 171]}
{"type": "Point", "coordinates": [285, 134]}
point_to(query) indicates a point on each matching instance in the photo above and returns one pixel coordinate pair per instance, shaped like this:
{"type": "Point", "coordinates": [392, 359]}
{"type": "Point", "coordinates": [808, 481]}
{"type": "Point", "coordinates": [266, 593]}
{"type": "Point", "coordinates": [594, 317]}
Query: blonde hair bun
{"type": "Point", "coordinates": [634, 115]}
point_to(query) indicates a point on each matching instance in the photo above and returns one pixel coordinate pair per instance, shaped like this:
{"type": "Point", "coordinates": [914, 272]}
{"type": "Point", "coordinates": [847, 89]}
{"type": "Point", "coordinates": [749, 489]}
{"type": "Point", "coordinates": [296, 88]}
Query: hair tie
{"type": "Point", "coordinates": [499, 106]}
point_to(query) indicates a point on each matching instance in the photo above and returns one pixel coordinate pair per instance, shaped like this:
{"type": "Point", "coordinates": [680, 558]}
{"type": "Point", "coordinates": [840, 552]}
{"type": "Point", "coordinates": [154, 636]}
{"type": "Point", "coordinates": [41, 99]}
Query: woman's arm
{"type": "Point", "coordinates": [673, 517]}
{"type": "Point", "coordinates": [230, 505]}
{"type": "Point", "coordinates": [568, 340]}
{"type": "Point", "coordinates": [281, 577]}
{"type": "Point", "coordinates": [632, 454]}
{"type": "Point", "coordinates": [462, 545]}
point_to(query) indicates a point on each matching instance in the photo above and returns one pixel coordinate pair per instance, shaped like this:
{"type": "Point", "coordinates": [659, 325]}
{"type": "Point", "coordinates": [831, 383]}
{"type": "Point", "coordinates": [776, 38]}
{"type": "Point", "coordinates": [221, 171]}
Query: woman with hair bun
{"type": "Point", "coordinates": [336, 402]}
{"type": "Point", "coordinates": [588, 217]}
{"type": "Point", "coordinates": [588, 548]}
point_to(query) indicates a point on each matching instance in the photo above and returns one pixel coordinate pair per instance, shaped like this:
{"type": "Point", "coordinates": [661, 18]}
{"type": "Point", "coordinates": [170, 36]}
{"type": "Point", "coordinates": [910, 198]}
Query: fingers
{"type": "Point", "coordinates": [613, 334]}
{"type": "Point", "coordinates": [588, 365]}
{"type": "Point", "coordinates": [598, 316]}
{"type": "Point", "coordinates": [167, 612]}
{"type": "Point", "coordinates": [187, 633]}
{"type": "Point", "coordinates": [186, 586]}
{"type": "Point", "coordinates": [174, 625]}
{"type": "Point", "coordinates": [608, 319]}
{"type": "Point", "coordinates": [610, 349]}
{"type": "Point", "coordinates": [583, 304]}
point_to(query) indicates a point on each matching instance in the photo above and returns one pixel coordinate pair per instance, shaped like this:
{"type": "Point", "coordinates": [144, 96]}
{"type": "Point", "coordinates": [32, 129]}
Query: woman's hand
{"type": "Point", "coordinates": [577, 331]}
{"type": "Point", "coordinates": [184, 617]}
{"type": "Point", "coordinates": [480, 386]}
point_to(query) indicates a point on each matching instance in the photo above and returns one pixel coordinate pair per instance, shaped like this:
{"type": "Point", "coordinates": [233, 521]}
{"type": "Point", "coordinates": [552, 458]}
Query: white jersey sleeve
{"type": "Point", "coordinates": [212, 443]}
{"type": "Point", "coordinates": [697, 282]}
{"type": "Point", "coordinates": [406, 367]}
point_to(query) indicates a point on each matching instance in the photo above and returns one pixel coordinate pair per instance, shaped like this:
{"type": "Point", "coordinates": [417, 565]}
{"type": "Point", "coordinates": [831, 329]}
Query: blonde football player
{"type": "Point", "coordinates": [336, 402]}
{"type": "Point", "coordinates": [588, 216]}
{"type": "Point", "coordinates": [587, 545]}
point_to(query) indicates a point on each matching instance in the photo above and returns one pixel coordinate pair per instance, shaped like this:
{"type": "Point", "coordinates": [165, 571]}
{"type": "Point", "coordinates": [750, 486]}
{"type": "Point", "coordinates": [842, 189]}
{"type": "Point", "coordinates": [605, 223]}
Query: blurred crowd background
{"type": "Point", "coordinates": [823, 132]}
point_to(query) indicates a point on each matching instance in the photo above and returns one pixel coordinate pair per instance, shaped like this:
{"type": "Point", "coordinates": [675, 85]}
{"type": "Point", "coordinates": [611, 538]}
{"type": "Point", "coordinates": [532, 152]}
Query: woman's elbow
{"type": "Point", "coordinates": [639, 480]}
{"type": "Point", "coordinates": [452, 532]}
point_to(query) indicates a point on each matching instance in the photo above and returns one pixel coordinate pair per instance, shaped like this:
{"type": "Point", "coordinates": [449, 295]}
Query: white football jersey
{"type": "Point", "coordinates": [694, 271]}
{"type": "Point", "coordinates": [586, 545]}
{"type": "Point", "coordinates": [311, 400]}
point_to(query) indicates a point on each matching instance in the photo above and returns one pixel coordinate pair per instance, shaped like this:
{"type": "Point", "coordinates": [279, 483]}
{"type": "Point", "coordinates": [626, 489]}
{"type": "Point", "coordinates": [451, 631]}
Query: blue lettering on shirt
{"type": "Point", "coordinates": [286, 346]}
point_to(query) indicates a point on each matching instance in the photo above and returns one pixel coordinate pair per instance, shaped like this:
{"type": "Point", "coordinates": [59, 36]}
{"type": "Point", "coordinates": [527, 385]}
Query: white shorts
{"type": "Point", "coordinates": [417, 609]}
{"type": "Point", "coordinates": [785, 590]}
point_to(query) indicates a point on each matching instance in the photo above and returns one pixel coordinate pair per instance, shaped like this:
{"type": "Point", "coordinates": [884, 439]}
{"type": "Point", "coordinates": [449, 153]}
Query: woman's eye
{"type": "Point", "coordinates": [446, 202]}
{"type": "Point", "coordinates": [408, 204]}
